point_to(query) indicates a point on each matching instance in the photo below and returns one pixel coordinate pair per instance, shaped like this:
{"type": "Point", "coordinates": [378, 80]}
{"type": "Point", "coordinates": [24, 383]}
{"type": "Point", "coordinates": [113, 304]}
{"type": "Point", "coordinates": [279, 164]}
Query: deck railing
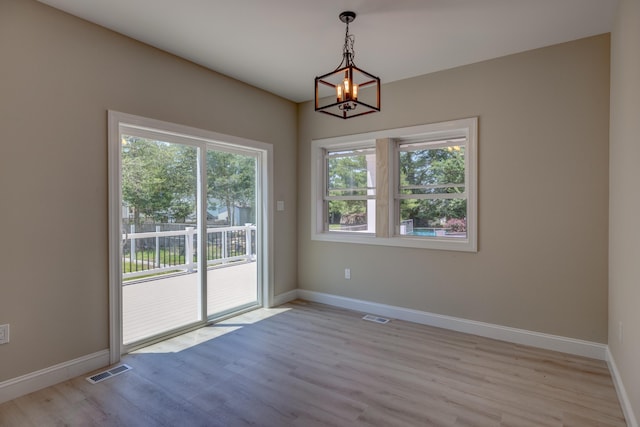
{"type": "Point", "coordinates": [156, 252]}
{"type": "Point", "coordinates": [406, 226]}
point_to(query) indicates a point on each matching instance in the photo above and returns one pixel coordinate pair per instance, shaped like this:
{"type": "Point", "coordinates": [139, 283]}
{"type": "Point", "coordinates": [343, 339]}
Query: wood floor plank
{"type": "Point", "coordinates": [306, 365]}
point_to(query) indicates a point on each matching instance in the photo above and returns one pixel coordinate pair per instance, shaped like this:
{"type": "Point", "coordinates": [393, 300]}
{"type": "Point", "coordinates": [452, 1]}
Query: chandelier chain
{"type": "Point", "coordinates": [348, 52]}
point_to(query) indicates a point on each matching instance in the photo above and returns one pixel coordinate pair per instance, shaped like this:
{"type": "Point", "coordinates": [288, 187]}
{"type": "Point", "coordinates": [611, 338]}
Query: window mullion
{"type": "Point", "coordinates": [363, 197]}
{"type": "Point", "coordinates": [430, 186]}
{"type": "Point", "coordinates": [443, 196]}
{"type": "Point", "coordinates": [383, 216]}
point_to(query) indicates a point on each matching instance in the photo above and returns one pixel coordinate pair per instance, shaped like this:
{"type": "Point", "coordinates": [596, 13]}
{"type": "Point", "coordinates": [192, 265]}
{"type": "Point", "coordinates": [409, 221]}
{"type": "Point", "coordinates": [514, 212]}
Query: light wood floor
{"type": "Point", "coordinates": [305, 364]}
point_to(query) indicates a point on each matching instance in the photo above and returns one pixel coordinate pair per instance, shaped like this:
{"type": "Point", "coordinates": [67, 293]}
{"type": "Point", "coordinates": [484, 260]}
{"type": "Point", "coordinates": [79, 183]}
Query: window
{"type": "Point", "coordinates": [350, 190]}
{"type": "Point", "coordinates": [431, 196]}
{"type": "Point", "coordinates": [413, 187]}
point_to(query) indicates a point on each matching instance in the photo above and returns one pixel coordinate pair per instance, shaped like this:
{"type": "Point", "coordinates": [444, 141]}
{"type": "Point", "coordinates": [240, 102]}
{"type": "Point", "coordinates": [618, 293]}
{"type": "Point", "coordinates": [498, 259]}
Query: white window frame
{"type": "Point", "coordinates": [467, 128]}
{"type": "Point", "coordinates": [369, 197]}
{"type": "Point", "coordinates": [320, 223]}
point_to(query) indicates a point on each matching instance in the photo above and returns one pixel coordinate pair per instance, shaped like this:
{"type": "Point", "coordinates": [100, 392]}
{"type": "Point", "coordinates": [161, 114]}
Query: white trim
{"type": "Point", "coordinates": [267, 229]}
{"type": "Point", "coordinates": [285, 297]}
{"type": "Point", "coordinates": [489, 330]}
{"type": "Point", "coordinates": [467, 127]}
{"type": "Point", "coordinates": [52, 375]}
{"type": "Point", "coordinates": [625, 403]}
{"type": "Point", "coordinates": [115, 230]}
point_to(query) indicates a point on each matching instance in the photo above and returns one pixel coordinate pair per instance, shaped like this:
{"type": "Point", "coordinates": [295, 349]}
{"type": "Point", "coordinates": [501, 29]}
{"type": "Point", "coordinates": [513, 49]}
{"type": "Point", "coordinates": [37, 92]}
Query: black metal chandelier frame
{"type": "Point", "coordinates": [348, 82]}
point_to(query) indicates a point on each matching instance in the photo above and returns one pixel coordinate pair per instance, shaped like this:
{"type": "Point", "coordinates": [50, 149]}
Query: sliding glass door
{"type": "Point", "coordinates": [232, 232]}
{"type": "Point", "coordinates": [190, 237]}
{"type": "Point", "coordinates": [161, 281]}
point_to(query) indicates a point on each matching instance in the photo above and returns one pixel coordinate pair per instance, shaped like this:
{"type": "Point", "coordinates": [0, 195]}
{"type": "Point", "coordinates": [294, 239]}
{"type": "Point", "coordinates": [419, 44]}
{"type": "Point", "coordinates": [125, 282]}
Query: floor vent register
{"type": "Point", "coordinates": [95, 379]}
{"type": "Point", "coordinates": [376, 319]}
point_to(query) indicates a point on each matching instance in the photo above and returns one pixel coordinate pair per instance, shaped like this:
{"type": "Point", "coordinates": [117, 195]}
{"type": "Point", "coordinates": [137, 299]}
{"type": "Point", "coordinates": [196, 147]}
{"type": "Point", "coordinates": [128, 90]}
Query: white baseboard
{"type": "Point", "coordinates": [627, 409]}
{"type": "Point", "coordinates": [489, 330]}
{"type": "Point", "coordinates": [285, 297]}
{"type": "Point", "coordinates": [34, 381]}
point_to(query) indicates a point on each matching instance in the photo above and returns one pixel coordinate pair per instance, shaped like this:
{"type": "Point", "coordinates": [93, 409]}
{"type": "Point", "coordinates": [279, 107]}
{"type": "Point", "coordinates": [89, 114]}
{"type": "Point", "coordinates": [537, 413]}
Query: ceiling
{"type": "Point", "coordinates": [281, 45]}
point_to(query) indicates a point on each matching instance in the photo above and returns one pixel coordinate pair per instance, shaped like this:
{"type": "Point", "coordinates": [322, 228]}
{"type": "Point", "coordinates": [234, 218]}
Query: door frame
{"type": "Point", "coordinates": [264, 186]}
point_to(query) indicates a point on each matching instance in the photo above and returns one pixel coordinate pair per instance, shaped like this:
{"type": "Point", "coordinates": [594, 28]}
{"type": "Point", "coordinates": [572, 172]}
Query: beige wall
{"type": "Point", "coordinates": [58, 77]}
{"type": "Point", "coordinates": [543, 196]}
{"type": "Point", "coordinates": [624, 250]}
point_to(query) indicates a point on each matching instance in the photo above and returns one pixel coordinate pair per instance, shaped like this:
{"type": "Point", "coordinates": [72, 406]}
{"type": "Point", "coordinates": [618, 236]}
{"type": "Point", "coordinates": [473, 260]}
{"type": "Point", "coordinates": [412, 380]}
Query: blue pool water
{"type": "Point", "coordinates": [422, 232]}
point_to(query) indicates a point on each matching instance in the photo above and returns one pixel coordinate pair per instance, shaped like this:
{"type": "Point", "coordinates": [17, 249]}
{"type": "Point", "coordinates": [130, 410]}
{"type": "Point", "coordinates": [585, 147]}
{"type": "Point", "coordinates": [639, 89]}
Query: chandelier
{"type": "Point", "coordinates": [348, 91]}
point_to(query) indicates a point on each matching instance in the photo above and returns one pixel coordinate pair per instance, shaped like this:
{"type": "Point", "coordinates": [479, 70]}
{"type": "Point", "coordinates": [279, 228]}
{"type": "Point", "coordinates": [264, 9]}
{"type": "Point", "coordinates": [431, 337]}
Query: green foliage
{"type": "Point", "coordinates": [435, 168]}
{"type": "Point", "coordinates": [347, 176]}
{"type": "Point", "coordinates": [231, 180]}
{"type": "Point", "coordinates": [422, 171]}
{"type": "Point", "coordinates": [408, 207]}
{"type": "Point", "coordinates": [158, 179]}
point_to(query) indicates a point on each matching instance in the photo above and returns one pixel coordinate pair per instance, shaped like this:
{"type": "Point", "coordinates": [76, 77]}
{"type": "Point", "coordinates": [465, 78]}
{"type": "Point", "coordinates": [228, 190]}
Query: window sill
{"type": "Point", "coordinates": [446, 244]}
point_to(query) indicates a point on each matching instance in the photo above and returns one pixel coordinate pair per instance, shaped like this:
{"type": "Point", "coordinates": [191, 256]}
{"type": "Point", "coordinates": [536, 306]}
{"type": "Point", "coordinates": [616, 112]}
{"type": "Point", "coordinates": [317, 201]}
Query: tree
{"type": "Point", "coordinates": [231, 180]}
{"type": "Point", "coordinates": [347, 176]}
{"type": "Point", "coordinates": [158, 179]}
{"type": "Point", "coordinates": [435, 168]}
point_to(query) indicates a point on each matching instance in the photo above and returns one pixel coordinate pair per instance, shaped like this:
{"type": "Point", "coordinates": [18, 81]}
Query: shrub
{"type": "Point", "coordinates": [457, 224]}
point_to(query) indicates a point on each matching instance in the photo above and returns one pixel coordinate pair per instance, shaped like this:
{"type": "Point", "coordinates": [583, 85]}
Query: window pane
{"type": "Point", "coordinates": [159, 189]}
{"type": "Point", "coordinates": [350, 215]}
{"type": "Point", "coordinates": [231, 186]}
{"type": "Point", "coordinates": [352, 172]}
{"type": "Point", "coordinates": [435, 217]}
{"type": "Point", "coordinates": [158, 182]}
{"type": "Point", "coordinates": [432, 170]}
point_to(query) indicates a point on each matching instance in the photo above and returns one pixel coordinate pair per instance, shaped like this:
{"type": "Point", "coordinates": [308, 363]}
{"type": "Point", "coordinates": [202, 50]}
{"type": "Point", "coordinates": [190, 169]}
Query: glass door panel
{"type": "Point", "coordinates": [161, 284]}
{"type": "Point", "coordinates": [232, 273]}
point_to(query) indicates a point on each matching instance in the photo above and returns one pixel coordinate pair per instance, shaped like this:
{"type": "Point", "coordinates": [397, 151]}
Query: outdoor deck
{"type": "Point", "coordinates": [153, 306]}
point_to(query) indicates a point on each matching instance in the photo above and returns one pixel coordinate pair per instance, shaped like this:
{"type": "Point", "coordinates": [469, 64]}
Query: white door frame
{"type": "Point", "coordinates": [117, 120]}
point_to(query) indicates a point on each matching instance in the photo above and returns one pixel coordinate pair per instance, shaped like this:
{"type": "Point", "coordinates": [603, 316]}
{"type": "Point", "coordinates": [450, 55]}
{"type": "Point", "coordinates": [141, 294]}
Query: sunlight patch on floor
{"type": "Point", "coordinates": [207, 333]}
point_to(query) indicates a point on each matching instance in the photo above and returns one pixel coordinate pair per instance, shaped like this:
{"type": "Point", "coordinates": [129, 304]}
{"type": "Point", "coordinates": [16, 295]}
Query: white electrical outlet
{"type": "Point", "coordinates": [4, 334]}
{"type": "Point", "coordinates": [347, 273]}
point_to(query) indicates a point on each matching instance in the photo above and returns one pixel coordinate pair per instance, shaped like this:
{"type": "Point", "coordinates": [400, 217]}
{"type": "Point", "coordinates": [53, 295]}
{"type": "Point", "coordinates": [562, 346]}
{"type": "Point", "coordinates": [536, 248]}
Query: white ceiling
{"type": "Point", "coordinates": [281, 45]}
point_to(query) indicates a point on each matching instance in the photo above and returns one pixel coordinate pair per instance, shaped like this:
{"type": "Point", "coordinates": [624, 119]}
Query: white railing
{"type": "Point", "coordinates": [406, 226]}
{"type": "Point", "coordinates": [156, 252]}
